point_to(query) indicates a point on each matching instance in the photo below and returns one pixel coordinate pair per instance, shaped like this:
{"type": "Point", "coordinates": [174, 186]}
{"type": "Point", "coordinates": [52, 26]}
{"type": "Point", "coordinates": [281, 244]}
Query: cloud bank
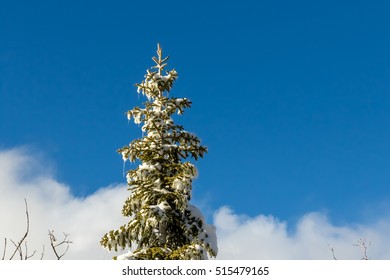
{"type": "Point", "coordinates": [265, 237]}
{"type": "Point", "coordinates": [52, 206]}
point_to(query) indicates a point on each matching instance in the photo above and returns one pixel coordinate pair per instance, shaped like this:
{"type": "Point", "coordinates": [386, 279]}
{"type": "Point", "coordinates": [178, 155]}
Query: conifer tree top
{"type": "Point", "coordinates": [163, 224]}
{"type": "Point", "coordinates": [155, 82]}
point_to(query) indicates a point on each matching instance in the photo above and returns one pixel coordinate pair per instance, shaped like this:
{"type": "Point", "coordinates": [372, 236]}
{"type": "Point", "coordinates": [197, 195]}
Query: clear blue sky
{"type": "Point", "coordinates": [292, 98]}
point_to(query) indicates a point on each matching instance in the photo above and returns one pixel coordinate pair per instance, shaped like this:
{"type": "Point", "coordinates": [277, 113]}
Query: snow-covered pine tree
{"type": "Point", "coordinates": [163, 224]}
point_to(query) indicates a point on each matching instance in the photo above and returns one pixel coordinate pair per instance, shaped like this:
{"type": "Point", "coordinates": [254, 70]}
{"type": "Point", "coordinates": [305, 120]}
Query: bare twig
{"type": "Point", "coordinates": [18, 246]}
{"type": "Point", "coordinates": [18, 249]}
{"type": "Point", "coordinates": [26, 257]}
{"type": "Point", "coordinates": [53, 241]}
{"type": "Point", "coordinates": [43, 252]}
{"type": "Point", "coordinates": [5, 248]}
{"type": "Point", "coordinates": [333, 253]}
{"type": "Point", "coordinates": [362, 244]}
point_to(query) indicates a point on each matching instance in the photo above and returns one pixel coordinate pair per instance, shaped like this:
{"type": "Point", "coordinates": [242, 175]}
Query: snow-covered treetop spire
{"type": "Point", "coordinates": [155, 82]}
{"type": "Point", "coordinates": [160, 63]}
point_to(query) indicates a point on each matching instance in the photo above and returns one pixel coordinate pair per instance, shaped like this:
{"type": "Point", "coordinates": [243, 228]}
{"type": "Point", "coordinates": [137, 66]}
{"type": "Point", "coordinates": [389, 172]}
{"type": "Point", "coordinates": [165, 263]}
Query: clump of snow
{"type": "Point", "coordinates": [160, 208]}
{"type": "Point", "coordinates": [178, 185]}
{"type": "Point", "coordinates": [127, 256]}
{"type": "Point", "coordinates": [195, 212]}
{"type": "Point", "coordinates": [211, 238]}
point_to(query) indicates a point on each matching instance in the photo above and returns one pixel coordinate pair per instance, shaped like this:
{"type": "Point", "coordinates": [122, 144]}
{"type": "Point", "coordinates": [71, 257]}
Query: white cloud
{"type": "Point", "coordinates": [52, 206]}
{"type": "Point", "coordinates": [265, 237]}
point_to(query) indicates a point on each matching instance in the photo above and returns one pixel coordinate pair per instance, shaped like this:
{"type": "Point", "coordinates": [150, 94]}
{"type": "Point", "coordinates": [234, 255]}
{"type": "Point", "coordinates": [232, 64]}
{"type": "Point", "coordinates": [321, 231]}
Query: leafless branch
{"type": "Point", "coordinates": [26, 257]}
{"type": "Point", "coordinates": [333, 253]}
{"type": "Point", "coordinates": [5, 248]}
{"type": "Point", "coordinates": [362, 244]}
{"type": "Point", "coordinates": [18, 249]}
{"type": "Point", "coordinates": [43, 252]}
{"type": "Point", "coordinates": [18, 246]}
{"type": "Point", "coordinates": [54, 244]}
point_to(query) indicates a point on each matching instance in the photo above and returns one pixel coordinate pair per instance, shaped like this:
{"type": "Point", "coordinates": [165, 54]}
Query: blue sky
{"type": "Point", "coordinates": [292, 98]}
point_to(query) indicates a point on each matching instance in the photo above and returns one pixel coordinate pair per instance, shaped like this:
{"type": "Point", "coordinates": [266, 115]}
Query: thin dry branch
{"type": "Point", "coordinates": [18, 249]}
{"type": "Point", "coordinates": [18, 246]}
{"type": "Point", "coordinates": [53, 241]}
{"type": "Point", "coordinates": [5, 248]}
{"type": "Point", "coordinates": [362, 244]}
{"type": "Point", "coordinates": [43, 252]}
{"type": "Point", "coordinates": [333, 252]}
{"type": "Point", "coordinates": [26, 257]}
